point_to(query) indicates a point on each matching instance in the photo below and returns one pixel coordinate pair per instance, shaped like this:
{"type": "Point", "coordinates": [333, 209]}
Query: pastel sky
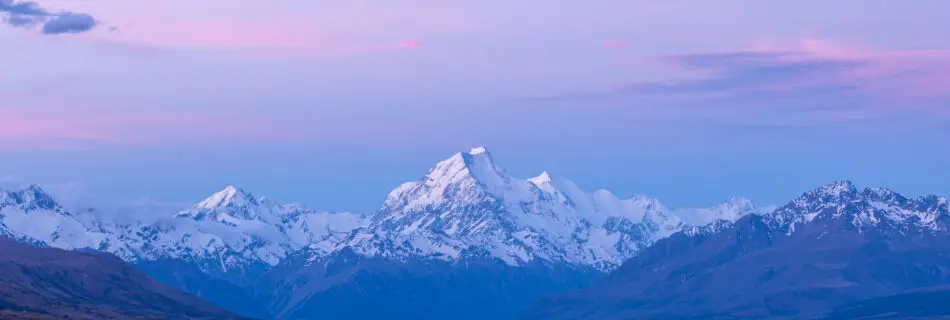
{"type": "Point", "coordinates": [334, 103]}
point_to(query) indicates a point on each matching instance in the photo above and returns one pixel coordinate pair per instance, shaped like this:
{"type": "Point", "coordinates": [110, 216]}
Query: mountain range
{"type": "Point", "coordinates": [469, 241]}
{"type": "Point", "coordinates": [466, 231]}
{"type": "Point", "coordinates": [832, 253]}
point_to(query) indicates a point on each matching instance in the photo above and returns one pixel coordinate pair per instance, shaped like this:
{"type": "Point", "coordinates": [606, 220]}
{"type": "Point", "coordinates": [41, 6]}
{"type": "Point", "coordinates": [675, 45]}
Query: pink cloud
{"type": "Point", "coordinates": [54, 126]}
{"type": "Point", "coordinates": [785, 67]}
{"type": "Point", "coordinates": [260, 28]}
{"type": "Point", "coordinates": [613, 44]}
{"type": "Point", "coordinates": [411, 43]}
{"type": "Point", "coordinates": [274, 38]}
{"type": "Point", "coordinates": [904, 73]}
{"type": "Point", "coordinates": [81, 126]}
{"type": "Point", "coordinates": [277, 39]}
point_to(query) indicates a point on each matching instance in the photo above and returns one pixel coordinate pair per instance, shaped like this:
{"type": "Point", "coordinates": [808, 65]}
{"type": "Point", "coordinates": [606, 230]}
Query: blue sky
{"type": "Point", "coordinates": [334, 105]}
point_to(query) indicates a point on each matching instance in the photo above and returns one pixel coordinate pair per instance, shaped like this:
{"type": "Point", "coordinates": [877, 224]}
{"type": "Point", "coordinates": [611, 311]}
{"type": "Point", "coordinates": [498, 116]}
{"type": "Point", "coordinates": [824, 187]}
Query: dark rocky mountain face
{"type": "Point", "coordinates": [832, 246]}
{"type": "Point", "coordinates": [350, 286]}
{"type": "Point", "coordinates": [222, 291]}
{"type": "Point", "coordinates": [42, 283]}
{"type": "Point", "coordinates": [928, 303]}
{"type": "Point", "coordinates": [346, 285]}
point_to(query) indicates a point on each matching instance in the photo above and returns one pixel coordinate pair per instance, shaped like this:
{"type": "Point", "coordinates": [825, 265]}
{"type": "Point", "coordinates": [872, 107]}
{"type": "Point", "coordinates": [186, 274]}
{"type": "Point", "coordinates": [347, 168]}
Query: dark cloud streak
{"type": "Point", "coordinates": [69, 23]}
{"type": "Point", "coordinates": [750, 72]}
{"type": "Point", "coordinates": [755, 91]}
{"type": "Point", "coordinates": [29, 15]}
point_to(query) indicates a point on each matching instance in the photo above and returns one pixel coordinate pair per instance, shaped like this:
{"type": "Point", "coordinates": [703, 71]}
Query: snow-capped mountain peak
{"type": "Point", "coordinates": [467, 203]}
{"type": "Point", "coordinates": [230, 195]}
{"type": "Point", "coordinates": [230, 230]}
{"type": "Point", "coordinates": [468, 173]}
{"type": "Point", "coordinates": [739, 202]}
{"type": "Point", "coordinates": [841, 188]}
{"type": "Point", "coordinates": [233, 228]}
{"type": "Point", "coordinates": [229, 204]}
{"type": "Point", "coordinates": [478, 150]}
{"type": "Point", "coordinates": [33, 215]}
{"type": "Point", "coordinates": [30, 198]}
{"type": "Point", "coordinates": [870, 207]}
{"type": "Point", "coordinates": [542, 179]}
{"type": "Point", "coordinates": [731, 210]}
{"type": "Point", "coordinates": [464, 205]}
{"type": "Point", "coordinates": [647, 201]}
{"type": "Point", "coordinates": [476, 164]}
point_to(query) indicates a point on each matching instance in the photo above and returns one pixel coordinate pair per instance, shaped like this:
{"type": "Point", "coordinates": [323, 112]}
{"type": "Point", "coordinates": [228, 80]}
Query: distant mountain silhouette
{"type": "Point", "coordinates": [48, 283]}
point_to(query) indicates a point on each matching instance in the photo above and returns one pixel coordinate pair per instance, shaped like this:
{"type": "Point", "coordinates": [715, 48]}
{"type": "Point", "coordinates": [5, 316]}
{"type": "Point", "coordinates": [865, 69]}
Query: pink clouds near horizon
{"type": "Point", "coordinates": [411, 43]}
{"type": "Point", "coordinates": [916, 72]}
{"type": "Point", "coordinates": [275, 39]}
{"type": "Point", "coordinates": [310, 30]}
{"type": "Point", "coordinates": [813, 63]}
{"type": "Point", "coordinates": [64, 127]}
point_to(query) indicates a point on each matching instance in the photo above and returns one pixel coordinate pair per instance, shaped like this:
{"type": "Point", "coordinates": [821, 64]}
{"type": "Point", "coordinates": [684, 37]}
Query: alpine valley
{"type": "Point", "coordinates": [468, 241]}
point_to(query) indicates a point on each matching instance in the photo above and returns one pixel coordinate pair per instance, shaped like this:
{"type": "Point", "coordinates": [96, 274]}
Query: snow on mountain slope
{"type": "Point", "coordinates": [7, 233]}
{"type": "Point", "coordinates": [831, 246]}
{"type": "Point", "coordinates": [466, 205]}
{"type": "Point", "coordinates": [731, 210]}
{"type": "Point", "coordinates": [877, 209]}
{"type": "Point", "coordinates": [239, 228]}
{"type": "Point", "coordinates": [230, 229]}
{"type": "Point", "coordinates": [868, 208]}
{"type": "Point", "coordinates": [34, 214]}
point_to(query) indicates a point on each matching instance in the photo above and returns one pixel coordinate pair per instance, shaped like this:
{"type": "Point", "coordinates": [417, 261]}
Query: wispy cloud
{"type": "Point", "coordinates": [30, 15]}
{"type": "Point", "coordinates": [231, 34]}
{"type": "Point", "coordinates": [810, 66]}
{"type": "Point", "coordinates": [750, 71]}
{"type": "Point", "coordinates": [411, 43]}
{"type": "Point", "coordinates": [302, 30]}
{"type": "Point", "coordinates": [269, 39]}
{"type": "Point", "coordinates": [81, 127]}
{"type": "Point", "coordinates": [804, 84]}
